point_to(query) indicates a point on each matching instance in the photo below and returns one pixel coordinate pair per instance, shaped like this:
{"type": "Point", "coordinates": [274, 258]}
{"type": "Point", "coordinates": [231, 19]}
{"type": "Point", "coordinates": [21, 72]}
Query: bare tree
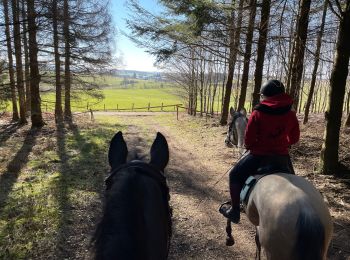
{"type": "Point", "coordinates": [26, 56]}
{"type": "Point", "coordinates": [58, 105]}
{"type": "Point", "coordinates": [329, 159]}
{"type": "Point", "coordinates": [67, 61]}
{"type": "Point", "coordinates": [247, 54]}
{"type": "Point", "coordinates": [36, 115]}
{"type": "Point", "coordinates": [263, 29]}
{"type": "Point", "coordinates": [15, 115]}
{"type": "Point", "coordinates": [299, 50]}
{"type": "Point", "coordinates": [234, 39]}
{"type": "Point", "coordinates": [19, 67]}
{"type": "Point", "coordinates": [317, 59]}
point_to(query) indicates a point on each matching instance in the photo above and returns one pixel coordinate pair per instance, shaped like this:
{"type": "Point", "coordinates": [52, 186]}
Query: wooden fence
{"type": "Point", "coordinates": [89, 108]}
{"type": "Point", "coordinates": [133, 108]}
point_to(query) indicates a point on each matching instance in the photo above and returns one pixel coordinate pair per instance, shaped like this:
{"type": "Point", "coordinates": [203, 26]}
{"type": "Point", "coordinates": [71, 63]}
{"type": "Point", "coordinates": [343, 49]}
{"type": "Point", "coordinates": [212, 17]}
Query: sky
{"type": "Point", "coordinates": [134, 58]}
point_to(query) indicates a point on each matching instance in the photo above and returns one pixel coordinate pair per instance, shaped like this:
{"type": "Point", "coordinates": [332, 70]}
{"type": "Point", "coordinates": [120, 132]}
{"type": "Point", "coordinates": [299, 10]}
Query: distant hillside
{"type": "Point", "coordinates": [134, 74]}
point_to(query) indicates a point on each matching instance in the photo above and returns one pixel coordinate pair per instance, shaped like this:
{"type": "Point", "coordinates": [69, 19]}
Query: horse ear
{"type": "Point", "coordinates": [118, 151]}
{"type": "Point", "coordinates": [160, 152]}
{"type": "Point", "coordinates": [232, 111]}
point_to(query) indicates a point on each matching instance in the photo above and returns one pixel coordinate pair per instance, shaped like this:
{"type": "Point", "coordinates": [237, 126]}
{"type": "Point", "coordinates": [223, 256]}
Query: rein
{"type": "Point", "coordinates": [222, 176]}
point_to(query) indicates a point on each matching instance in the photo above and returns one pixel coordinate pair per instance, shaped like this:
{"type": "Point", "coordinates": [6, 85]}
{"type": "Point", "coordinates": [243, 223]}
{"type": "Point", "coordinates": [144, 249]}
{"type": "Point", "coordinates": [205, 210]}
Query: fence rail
{"type": "Point", "coordinates": [50, 105]}
{"type": "Point", "coordinates": [91, 110]}
{"type": "Point", "coordinates": [148, 108]}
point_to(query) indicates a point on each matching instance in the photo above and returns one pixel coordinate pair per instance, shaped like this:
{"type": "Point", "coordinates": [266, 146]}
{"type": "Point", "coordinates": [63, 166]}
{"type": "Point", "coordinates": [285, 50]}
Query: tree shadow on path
{"type": "Point", "coordinates": [6, 131]}
{"type": "Point", "coordinates": [79, 188]}
{"type": "Point", "coordinates": [14, 167]}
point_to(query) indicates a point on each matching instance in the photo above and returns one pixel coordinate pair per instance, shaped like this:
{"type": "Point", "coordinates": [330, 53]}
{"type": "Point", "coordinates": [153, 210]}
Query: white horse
{"type": "Point", "coordinates": [291, 218]}
{"type": "Point", "coordinates": [236, 129]}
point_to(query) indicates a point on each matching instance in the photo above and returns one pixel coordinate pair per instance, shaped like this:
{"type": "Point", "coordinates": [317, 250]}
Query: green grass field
{"type": "Point", "coordinates": [46, 180]}
{"type": "Point", "coordinates": [124, 94]}
{"type": "Point", "coordinates": [122, 99]}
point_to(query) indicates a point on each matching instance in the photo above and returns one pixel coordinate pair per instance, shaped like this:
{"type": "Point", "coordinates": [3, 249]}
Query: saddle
{"type": "Point", "coordinates": [276, 164]}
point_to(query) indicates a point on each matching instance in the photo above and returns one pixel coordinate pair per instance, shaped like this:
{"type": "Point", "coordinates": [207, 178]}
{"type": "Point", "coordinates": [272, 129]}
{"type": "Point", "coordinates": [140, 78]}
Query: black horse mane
{"type": "Point", "coordinates": [121, 206]}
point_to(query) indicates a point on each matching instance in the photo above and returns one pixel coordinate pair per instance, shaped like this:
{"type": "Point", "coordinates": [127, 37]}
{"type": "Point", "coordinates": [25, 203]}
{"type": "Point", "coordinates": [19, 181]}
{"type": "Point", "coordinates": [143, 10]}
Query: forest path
{"type": "Point", "coordinates": [198, 181]}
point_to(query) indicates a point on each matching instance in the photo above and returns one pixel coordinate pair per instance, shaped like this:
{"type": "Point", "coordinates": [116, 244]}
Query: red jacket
{"type": "Point", "coordinates": [272, 127]}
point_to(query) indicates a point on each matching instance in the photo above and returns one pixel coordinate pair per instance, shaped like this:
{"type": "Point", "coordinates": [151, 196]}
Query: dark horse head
{"type": "Point", "coordinates": [136, 222]}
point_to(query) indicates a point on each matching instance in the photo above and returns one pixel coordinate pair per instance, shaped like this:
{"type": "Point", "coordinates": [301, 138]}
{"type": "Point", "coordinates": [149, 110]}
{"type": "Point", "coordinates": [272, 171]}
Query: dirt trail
{"type": "Point", "coordinates": [193, 170]}
{"type": "Point", "coordinates": [199, 160]}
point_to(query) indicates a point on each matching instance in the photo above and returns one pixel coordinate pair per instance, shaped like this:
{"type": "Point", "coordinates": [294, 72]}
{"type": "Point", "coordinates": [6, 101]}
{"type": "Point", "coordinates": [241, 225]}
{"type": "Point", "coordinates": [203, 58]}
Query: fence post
{"type": "Point", "coordinates": [87, 105]}
{"type": "Point", "coordinates": [149, 105]}
{"type": "Point", "coordinates": [104, 107]}
{"type": "Point", "coordinates": [132, 109]}
{"type": "Point", "coordinates": [177, 112]}
{"type": "Point", "coordinates": [117, 107]}
{"type": "Point", "coordinates": [161, 107]}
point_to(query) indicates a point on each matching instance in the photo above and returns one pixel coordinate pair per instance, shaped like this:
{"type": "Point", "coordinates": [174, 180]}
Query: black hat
{"type": "Point", "coordinates": [272, 88]}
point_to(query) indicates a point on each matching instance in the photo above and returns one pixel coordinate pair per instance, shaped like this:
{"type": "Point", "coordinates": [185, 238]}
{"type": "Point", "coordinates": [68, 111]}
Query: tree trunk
{"type": "Point", "coordinates": [301, 91]}
{"type": "Point", "coordinates": [18, 54]}
{"type": "Point", "coordinates": [234, 45]}
{"type": "Point", "coordinates": [263, 28]}
{"type": "Point", "coordinates": [195, 96]}
{"type": "Point", "coordinates": [193, 85]}
{"type": "Point", "coordinates": [315, 98]}
{"type": "Point", "coordinates": [228, 87]}
{"type": "Point", "coordinates": [347, 122]}
{"type": "Point", "coordinates": [317, 59]}
{"type": "Point", "coordinates": [329, 159]}
{"type": "Point", "coordinates": [58, 105]}
{"type": "Point", "coordinates": [36, 115]}
{"type": "Point", "coordinates": [324, 102]}
{"type": "Point", "coordinates": [236, 93]}
{"type": "Point", "coordinates": [216, 84]}
{"type": "Point", "coordinates": [300, 41]}
{"type": "Point", "coordinates": [247, 55]}
{"type": "Point", "coordinates": [200, 91]}
{"type": "Point", "coordinates": [67, 73]}
{"type": "Point", "coordinates": [348, 102]}
{"type": "Point", "coordinates": [26, 57]}
{"type": "Point", "coordinates": [223, 82]}
{"type": "Point", "coordinates": [290, 59]}
{"type": "Point", "coordinates": [15, 115]}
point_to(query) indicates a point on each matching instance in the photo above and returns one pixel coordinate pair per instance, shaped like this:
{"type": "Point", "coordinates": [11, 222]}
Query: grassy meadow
{"type": "Point", "coordinates": [127, 94]}
{"type": "Point", "coordinates": [121, 99]}
{"type": "Point", "coordinates": [49, 181]}
{"type": "Point", "coordinates": [52, 185]}
{"type": "Point", "coordinates": [121, 93]}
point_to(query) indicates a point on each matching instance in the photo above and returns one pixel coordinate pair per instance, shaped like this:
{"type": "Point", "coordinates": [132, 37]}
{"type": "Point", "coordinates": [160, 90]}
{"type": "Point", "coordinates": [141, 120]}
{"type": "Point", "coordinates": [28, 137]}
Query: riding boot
{"type": "Point", "coordinates": [233, 212]}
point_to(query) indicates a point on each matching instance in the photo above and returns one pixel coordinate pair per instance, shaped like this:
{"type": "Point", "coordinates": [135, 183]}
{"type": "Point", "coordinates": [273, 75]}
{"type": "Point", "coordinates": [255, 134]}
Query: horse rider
{"type": "Point", "coordinates": [272, 128]}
